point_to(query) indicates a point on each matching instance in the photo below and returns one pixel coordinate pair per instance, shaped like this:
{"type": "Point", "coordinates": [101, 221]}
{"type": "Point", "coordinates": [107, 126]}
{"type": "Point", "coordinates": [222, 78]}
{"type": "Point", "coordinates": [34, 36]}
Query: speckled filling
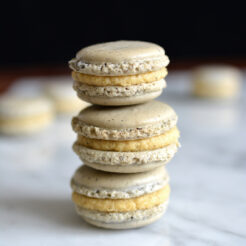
{"type": "Point", "coordinates": [118, 91]}
{"type": "Point", "coordinates": [121, 217]}
{"type": "Point", "coordinates": [124, 158]}
{"type": "Point", "coordinates": [123, 134]}
{"type": "Point", "coordinates": [119, 194]}
{"type": "Point", "coordinates": [123, 68]}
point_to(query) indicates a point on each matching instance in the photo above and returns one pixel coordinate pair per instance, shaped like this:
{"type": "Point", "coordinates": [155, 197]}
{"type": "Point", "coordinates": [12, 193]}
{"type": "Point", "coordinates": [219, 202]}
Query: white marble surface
{"type": "Point", "coordinates": [208, 180]}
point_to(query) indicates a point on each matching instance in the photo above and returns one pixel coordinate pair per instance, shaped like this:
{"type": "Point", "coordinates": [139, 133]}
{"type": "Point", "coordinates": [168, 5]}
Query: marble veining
{"type": "Point", "coordinates": [208, 181]}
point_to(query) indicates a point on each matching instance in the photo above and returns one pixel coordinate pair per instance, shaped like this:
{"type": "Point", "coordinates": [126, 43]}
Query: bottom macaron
{"type": "Point", "coordinates": [123, 220]}
{"type": "Point", "coordinates": [120, 201]}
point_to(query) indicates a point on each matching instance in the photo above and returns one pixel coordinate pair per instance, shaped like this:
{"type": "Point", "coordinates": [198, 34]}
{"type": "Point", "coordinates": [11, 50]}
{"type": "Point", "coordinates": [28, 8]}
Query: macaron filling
{"type": "Point", "coordinates": [155, 142]}
{"type": "Point", "coordinates": [120, 80]}
{"type": "Point", "coordinates": [146, 201]}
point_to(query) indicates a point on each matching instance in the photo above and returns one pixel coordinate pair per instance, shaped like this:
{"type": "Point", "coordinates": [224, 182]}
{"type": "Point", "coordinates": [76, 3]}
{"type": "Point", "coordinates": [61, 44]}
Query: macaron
{"type": "Point", "coordinates": [22, 115]}
{"type": "Point", "coordinates": [119, 73]}
{"type": "Point", "coordinates": [120, 201]}
{"type": "Point", "coordinates": [126, 139]}
{"type": "Point", "coordinates": [216, 81]}
{"type": "Point", "coordinates": [59, 90]}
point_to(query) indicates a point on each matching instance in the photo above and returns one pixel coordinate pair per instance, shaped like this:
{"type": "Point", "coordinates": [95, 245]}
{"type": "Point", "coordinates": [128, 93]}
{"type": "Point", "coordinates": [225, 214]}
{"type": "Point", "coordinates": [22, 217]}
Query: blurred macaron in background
{"type": "Point", "coordinates": [205, 85]}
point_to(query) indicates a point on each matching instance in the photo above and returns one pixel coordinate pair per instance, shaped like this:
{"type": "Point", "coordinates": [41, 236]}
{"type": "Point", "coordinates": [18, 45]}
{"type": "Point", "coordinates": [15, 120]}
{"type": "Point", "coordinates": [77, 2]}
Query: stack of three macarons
{"type": "Point", "coordinates": [126, 139]}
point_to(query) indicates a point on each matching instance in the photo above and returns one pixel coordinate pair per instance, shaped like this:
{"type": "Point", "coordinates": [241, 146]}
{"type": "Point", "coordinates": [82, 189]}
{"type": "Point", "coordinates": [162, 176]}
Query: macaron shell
{"type": "Point", "coordinates": [118, 51]}
{"type": "Point", "coordinates": [121, 217]}
{"type": "Point", "coordinates": [127, 169]}
{"type": "Point", "coordinates": [216, 81]}
{"type": "Point", "coordinates": [127, 117]}
{"type": "Point", "coordinates": [120, 101]}
{"type": "Point", "coordinates": [118, 91]}
{"type": "Point", "coordinates": [119, 58]}
{"type": "Point", "coordinates": [94, 179]}
{"type": "Point", "coordinates": [125, 162]}
{"type": "Point", "coordinates": [126, 225]}
{"type": "Point", "coordinates": [217, 74]}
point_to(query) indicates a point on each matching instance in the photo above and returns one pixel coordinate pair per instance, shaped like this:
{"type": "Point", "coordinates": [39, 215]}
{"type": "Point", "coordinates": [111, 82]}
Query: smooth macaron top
{"type": "Point", "coordinates": [98, 184]}
{"type": "Point", "coordinates": [14, 106]}
{"type": "Point", "coordinates": [130, 122]}
{"type": "Point", "coordinates": [119, 58]}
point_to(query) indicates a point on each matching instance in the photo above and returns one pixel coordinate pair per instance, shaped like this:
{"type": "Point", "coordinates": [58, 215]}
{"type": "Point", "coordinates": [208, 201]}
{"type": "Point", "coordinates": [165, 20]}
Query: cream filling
{"type": "Point", "coordinates": [123, 216]}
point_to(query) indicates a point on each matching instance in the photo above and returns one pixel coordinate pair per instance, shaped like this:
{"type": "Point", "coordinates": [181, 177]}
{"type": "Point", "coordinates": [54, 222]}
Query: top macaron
{"type": "Point", "coordinates": [119, 73]}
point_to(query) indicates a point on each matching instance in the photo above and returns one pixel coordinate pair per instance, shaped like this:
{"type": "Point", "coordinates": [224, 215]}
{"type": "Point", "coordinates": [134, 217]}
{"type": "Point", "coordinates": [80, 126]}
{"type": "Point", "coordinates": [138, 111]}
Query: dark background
{"type": "Point", "coordinates": [41, 32]}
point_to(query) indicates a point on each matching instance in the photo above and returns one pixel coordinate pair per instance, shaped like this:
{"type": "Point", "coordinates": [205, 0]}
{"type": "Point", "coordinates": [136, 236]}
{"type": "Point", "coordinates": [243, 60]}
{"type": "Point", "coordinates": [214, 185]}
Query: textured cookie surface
{"type": "Point", "coordinates": [118, 91]}
{"type": "Point", "coordinates": [120, 101]}
{"type": "Point", "coordinates": [121, 217]}
{"type": "Point", "coordinates": [122, 220]}
{"type": "Point", "coordinates": [97, 184]}
{"type": "Point", "coordinates": [119, 58]}
{"type": "Point", "coordinates": [126, 225]}
{"type": "Point", "coordinates": [122, 123]}
{"type": "Point", "coordinates": [125, 158]}
{"type": "Point", "coordinates": [128, 169]}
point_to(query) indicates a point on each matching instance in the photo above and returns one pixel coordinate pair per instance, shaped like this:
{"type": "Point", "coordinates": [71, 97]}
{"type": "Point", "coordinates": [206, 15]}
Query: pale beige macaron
{"type": "Point", "coordinates": [120, 201]}
{"type": "Point", "coordinates": [126, 139]}
{"type": "Point", "coordinates": [22, 115]}
{"type": "Point", "coordinates": [216, 81]}
{"type": "Point", "coordinates": [59, 90]}
{"type": "Point", "coordinates": [120, 72]}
